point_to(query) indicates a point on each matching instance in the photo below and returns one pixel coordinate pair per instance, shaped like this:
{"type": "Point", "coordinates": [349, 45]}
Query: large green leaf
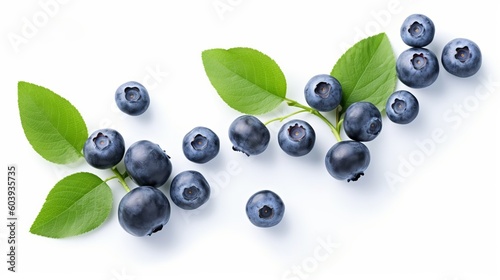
{"type": "Point", "coordinates": [246, 79]}
{"type": "Point", "coordinates": [367, 72]}
{"type": "Point", "coordinates": [52, 125]}
{"type": "Point", "coordinates": [77, 204]}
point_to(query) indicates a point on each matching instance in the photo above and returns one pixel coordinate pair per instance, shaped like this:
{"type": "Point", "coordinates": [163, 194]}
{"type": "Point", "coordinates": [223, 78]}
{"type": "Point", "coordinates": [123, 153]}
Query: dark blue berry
{"type": "Point", "coordinates": [200, 145]}
{"type": "Point", "coordinates": [132, 98]}
{"type": "Point", "coordinates": [104, 148]}
{"type": "Point", "coordinates": [296, 138]}
{"type": "Point", "coordinates": [347, 160]}
{"type": "Point", "coordinates": [417, 67]}
{"type": "Point", "coordinates": [265, 209]}
{"type": "Point", "coordinates": [249, 135]}
{"type": "Point", "coordinates": [362, 121]}
{"type": "Point", "coordinates": [402, 107]}
{"type": "Point", "coordinates": [417, 30]}
{"type": "Point", "coordinates": [143, 211]}
{"type": "Point", "coordinates": [189, 190]}
{"type": "Point", "coordinates": [461, 57]}
{"type": "Point", "coordinates": [323, 92]}
{"type": "Point", "coordinates": [147, 164]}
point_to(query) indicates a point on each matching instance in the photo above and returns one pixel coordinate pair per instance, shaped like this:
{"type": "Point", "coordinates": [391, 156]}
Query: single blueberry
{"type": "Point", "coordinates": [323, 92]}
{"type": "Point", "coordinates": [417, 67]}
{"type": "Point", "coordinates": [461, 57]}
{"type": "Point", "coordinates": [147, 164]}
{"type": "Point", "coordinates": [417, 30]}
{"type": "Point", "coordinates": [296, 138]}
{"type": "Point", "coordinates": [189, 190]}
{"type": "Point", "coordinates": [362, 121]}
{"type": "Point", "coordinates": [402, 107]}
{"type": "Point", "coordinates": [143, 211]}
{"type": "Point", "coordinates": [265, 209]}
{"type": "Point", "coordinates": [249, 135]}
{"type": "Point", "coordinates": [104, 148]}
{"type": "Point", "coordinates": [200, 145]}
{"type": "Point", "coordinates": [132, 98]}
{"type": "Point", "coordinates": [347, 160]}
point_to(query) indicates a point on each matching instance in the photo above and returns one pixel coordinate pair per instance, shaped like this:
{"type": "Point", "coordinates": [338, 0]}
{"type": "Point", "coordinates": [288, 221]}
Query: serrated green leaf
{"type": "Point", "coordinates": [77, 204]}
{"type": "Point", "coordinates": [367, 72]}
{"type": "Point", "coordinates": [53, 126]}
{"type": "Point", "coordinates": [246, 79]}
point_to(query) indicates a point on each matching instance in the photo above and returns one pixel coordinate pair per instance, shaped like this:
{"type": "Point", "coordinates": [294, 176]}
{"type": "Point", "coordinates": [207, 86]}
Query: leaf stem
{"type": "Point", "coordinates": [121, 178]}
{"type": "Point", "coordinates": [285, 117]}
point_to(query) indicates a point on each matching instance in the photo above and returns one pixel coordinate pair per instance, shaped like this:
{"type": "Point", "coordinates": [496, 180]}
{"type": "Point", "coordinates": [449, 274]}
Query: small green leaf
{"type": "Point", "coordinates": [53, 126]}
{"type": "Point", "coordinates": [246, 79]}
{"type": "Point", "coordinates": [367, 72]}
{"type": "Point", "coordinates": [77, 204]}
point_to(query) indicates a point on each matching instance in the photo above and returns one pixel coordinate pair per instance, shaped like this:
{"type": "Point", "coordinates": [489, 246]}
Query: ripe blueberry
{"type": "Point", "coordinates": [265, 209]}
{"type": "Point", "coordinates": [147, 164]}
{"type": "Point", "coordinates": [362, 121]}
{"type": "Point", "coordinates": [417, 67]}
{"type": "Point", "coordinates": [132, 98]}
{"type": "Point", "coordinates": [347, 160]}
{"type": "Point", "coordinates": [249, 135]}
{"type": "Point", "coordinates": [461, 57]}
{"type": "Point", "coordinates": [189, 190]}
{"type": "Point", "coordinates": [323, 92]}
{"type": "Point", "coordinates": [417, 30]}
{"type": "Point", "coordinates": [200, 145]}
{"type": "Point", "coordinates": [104, 148]}
{"type": "Point", "coordinates": [296, 138]}
{"type": "Point", "coordinates": [402, 107]}
{"type": "Point", "coordinates": [143, 211]}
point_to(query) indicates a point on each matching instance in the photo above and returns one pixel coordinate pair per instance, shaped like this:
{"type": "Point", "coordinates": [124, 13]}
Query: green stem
{"type": "Point", "coordinates": [285, 117]}
{"type": "Point", "coordinates": [120, 177]}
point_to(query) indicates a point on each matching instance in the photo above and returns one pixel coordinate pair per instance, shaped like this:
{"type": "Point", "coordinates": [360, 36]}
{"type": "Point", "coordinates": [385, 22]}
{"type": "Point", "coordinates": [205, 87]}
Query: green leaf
{"type": "Point", "coordinates": [77, 204]}
{"type": "Point", "coordinates": [53, 126]}
{"type": "Point", "coordinates": [367, 72]}
{"type": "Point", "coordinates": [246, 79]}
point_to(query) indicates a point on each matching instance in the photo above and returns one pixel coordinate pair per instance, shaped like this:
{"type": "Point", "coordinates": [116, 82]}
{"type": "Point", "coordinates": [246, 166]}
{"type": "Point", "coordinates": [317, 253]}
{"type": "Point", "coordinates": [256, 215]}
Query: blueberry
{"type": "Point", "coordinates": [249, 135]}
{"type": "Point", "coordinates": [189, 190]}
{"type": "Point", "coordinates": [296, 138]}
{"type": "Point", "coordinates": [362, 121]}
{"type": "Point", "coordinates": [402, 107]}
{"type": "Point", "coordinates": [147, 164]}
{"type": "Point", "coordinates": [104, 148]}
{"type": "Point", "coordinates": [132, 98]}
{"type": "Point", "coordinates": [347, 160]}
{"type": "Point", "coordinates": [417, 30]}
{"type": "Point", "coordinates": [143, 211]}
{"type": "Point", "coordinates": [417, 67]}
{"type": "Point", "coordinates": [323, 92]}
{"type": "Point", "coordinates": [200, 145]}
{"type": "Point", "coordinates": [461, 57]}
{"type": "Point", "coordinates": [265, 209]}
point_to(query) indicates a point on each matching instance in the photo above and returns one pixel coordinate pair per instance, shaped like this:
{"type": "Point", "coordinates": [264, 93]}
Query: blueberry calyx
{"type": "Point", "coordinates": [416, 29]}
{"type": "Point", "coordinates": [323, 89]}
{"type": "Point", "coordinates": [132, 93]}
{"type": "Point", "coordinates": [266, 212]}
{"type": "Point", "coordinates": [199, 142]}
{"type": "Point", "coordinates": [296, 132]}
{"type": "Point", "coordinates": [463, 54]}
{"type": "Point", "coordinates": [419, 61]}
{"type": "Point", "coordinates": [101, 141]}
{"type": "Point", "coordinates": [190, 193]}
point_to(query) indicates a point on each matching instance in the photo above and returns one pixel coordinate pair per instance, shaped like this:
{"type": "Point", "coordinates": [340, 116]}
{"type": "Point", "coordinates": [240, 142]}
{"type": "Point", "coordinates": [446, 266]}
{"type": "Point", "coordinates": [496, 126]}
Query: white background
{"type": "Point", "coordinates": [439, 221]}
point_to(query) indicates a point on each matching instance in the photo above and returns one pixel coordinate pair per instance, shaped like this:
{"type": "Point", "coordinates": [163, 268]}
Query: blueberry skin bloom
{"type": "Point", "coordinates": [104, 148]}
{"type": "Point", "coordinates": [362, 121]}
{"type": "Point", "coordinates": [143, 211]}
{"type": "Point", "coordinates": [402, 107]}
{"type": "Point", "coordinates": [347, 160]}
{"type": "Point", "coordinates": [147, 164]}
{"type": "Point", "coordinates": [249, 135]}
{"type": "Point", "coordinates": [417, 30]}
{"type": "Point", "coordinates": [189, 190]}
{"type": "Point", "coordinates": [132, 98]}
{"type": "Point", "coordinates": [296, 138]}
{"type": "Point", "coordinates": [417, 67]}
{"type": "Point", "coordinates": [461, 57]}
{"type": "Point", "coordinates": [200, 145]}
{"type": "Point", "coordinates": [323, 92]}
{"type": "Point", "coordinates": [265, 209]}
